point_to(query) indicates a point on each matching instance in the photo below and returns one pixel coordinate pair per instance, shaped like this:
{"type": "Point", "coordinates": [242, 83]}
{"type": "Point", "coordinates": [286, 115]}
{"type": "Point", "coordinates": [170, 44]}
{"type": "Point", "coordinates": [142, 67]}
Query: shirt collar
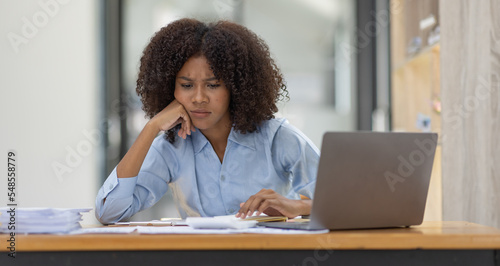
{"type": "Point", "coordinates": [247, 140]}
{"type": "Point", "coordinates": [199, 141]}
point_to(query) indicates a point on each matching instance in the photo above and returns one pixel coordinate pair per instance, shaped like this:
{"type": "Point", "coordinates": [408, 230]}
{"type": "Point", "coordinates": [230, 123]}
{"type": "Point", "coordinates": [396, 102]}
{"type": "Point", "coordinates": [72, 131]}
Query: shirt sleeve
{"type": "Point", "coordinates": [296, 158]}
{"type": "Point", "coordinates": [125, 197]}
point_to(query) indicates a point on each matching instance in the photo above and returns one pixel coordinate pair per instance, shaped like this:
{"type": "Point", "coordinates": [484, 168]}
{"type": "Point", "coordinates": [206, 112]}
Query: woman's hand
{"type": "Point", "coordinates": [168, 118]}
{"type": "Point", "coordinates": [171, 116]}
{"type": "Point", "coordinates": [273, 204]}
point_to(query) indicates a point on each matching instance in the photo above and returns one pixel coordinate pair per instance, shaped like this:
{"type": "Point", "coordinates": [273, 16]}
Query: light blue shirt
{"type": "Point", "coordinates": [277, 156]}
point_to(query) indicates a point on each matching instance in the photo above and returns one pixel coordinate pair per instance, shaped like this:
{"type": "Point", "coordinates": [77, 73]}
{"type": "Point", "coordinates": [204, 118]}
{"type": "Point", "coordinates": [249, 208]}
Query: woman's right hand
{"type": "Point", "coordinates": [171, 116]}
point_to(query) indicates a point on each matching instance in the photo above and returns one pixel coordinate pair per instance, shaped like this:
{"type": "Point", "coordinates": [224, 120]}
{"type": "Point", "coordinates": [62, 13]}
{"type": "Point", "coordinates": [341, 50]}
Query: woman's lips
{"type": "Point", "coordinates": [200, 113]}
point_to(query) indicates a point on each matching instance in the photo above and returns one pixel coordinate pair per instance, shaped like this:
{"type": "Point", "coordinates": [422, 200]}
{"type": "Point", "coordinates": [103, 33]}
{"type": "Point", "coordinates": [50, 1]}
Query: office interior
{"type": "Point", "coordinates": [70, 112]}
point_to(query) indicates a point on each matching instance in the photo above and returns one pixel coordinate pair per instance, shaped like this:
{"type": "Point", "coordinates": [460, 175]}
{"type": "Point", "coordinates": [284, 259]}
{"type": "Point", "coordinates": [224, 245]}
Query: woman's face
{"type": "Point", "coordinates": [205, 98]}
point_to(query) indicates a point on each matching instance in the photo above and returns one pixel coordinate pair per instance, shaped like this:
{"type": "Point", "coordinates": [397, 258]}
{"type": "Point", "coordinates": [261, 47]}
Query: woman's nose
{"type": "Point", "coordinates": [199, 95]}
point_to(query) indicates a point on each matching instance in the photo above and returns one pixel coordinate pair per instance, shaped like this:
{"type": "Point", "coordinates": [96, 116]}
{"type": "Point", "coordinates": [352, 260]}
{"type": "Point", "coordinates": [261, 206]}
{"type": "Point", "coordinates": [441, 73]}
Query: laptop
{"type": "Point", "coordinates": [370, 180]}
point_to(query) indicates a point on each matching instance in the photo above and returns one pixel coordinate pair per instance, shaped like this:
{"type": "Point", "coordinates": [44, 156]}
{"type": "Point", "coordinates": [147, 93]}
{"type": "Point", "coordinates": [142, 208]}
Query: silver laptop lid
{"type": "Point", "coordinates": [372, 179]}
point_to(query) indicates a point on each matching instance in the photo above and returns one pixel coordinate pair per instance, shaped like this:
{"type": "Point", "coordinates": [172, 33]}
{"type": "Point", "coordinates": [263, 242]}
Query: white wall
{"type": "Point", "coordinates": [49, 85]}
{"type": "Point", "coordinates": [301, 36]}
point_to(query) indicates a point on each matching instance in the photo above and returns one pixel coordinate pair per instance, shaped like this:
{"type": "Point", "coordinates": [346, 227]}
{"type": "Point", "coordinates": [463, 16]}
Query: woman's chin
{"type": "Point", "coordinates": [200, 126]}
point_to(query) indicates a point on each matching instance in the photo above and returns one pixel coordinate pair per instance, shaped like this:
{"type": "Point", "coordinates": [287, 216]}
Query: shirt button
{"type": "Point", "coordinates": [231, 210]}
{"type": "Point", "coordinates": [110, 186]}
{"type": "Point", "coordinates": [222, 177]}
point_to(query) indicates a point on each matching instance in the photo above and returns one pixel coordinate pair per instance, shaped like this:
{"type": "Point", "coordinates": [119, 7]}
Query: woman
{"type": "Point", "coordinates": [213, 89]}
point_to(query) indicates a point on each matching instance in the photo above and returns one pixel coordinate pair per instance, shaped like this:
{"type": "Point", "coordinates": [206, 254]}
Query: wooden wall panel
{"type": "Point", "coordinates": [405, 25]}
{"type": "Point", "coordinates": [470, 69]}
{"type": "Point", "coordinates": [434, 204]}
{"type": "Point", "coordinates": [415, 83]}
{"type": "Point", "coordinates": [398, 35]}
{"type": "Point", "coordinates": [413, 89]}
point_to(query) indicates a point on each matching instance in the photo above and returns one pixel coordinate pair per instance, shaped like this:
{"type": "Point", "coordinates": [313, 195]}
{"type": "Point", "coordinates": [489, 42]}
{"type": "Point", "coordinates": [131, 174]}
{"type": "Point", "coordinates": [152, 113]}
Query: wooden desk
{"type": "Point", "coordinates": [432, 243]}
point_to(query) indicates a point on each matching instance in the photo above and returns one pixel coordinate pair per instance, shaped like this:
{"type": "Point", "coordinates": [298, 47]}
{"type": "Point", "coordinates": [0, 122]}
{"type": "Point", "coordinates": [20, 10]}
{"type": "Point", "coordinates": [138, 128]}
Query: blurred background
{"type": "Point", "coordinates": [68, 68]}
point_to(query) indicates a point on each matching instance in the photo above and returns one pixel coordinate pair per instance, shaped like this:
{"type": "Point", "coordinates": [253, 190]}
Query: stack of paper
{"type": "Point", "coordinates": [40, 220]}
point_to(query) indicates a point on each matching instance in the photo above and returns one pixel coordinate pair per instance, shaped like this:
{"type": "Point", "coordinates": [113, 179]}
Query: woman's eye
{"type": "Point", "coordinates": [186, 85]}
{"type": "Point", "coordinates": [213, 86]}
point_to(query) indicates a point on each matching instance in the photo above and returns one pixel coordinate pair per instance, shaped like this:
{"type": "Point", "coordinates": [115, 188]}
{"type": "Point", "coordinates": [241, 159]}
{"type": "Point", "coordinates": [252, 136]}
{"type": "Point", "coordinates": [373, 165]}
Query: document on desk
{"type": "Point", "coordinates": [253, 230]}
{"type": "Point", "coordinates": [105, 230]}
{"type": "Point", "coordinates": [196, 225]}
{"type": "Point", "coordinates": [180, 230]}
{"type": "Point", "coordinates": [41, 220]}
{"type": "Point", "coordinates": [150, 230]}
{"type": "Point", "coordinates": [146, 223]}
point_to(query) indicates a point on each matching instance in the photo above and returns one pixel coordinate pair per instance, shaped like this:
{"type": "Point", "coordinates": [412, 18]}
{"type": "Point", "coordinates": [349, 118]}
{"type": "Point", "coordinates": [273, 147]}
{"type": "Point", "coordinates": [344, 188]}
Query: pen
{"type": "Point", "coordinates": [152, 223]}
{"type": "Point", "coordinates": [146, 223]}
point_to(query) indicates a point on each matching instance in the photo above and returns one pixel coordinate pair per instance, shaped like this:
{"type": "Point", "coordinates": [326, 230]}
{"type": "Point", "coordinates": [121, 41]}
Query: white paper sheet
{"type": "Point", "coordinates": [105, 230]}
{"type": "Point", "coordinates": [254, 230]}
{"type": "Point", "coordinates": [190, 230]}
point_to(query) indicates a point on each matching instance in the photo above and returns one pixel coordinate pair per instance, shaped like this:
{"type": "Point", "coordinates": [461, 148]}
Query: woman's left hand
{"type": "Point", "coordinates": [273, 204]}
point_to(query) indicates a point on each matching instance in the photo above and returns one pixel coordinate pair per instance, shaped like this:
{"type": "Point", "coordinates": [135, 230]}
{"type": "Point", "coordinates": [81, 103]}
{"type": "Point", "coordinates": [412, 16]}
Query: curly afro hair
{"type": "Point", "coordinates": [236, 56]}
